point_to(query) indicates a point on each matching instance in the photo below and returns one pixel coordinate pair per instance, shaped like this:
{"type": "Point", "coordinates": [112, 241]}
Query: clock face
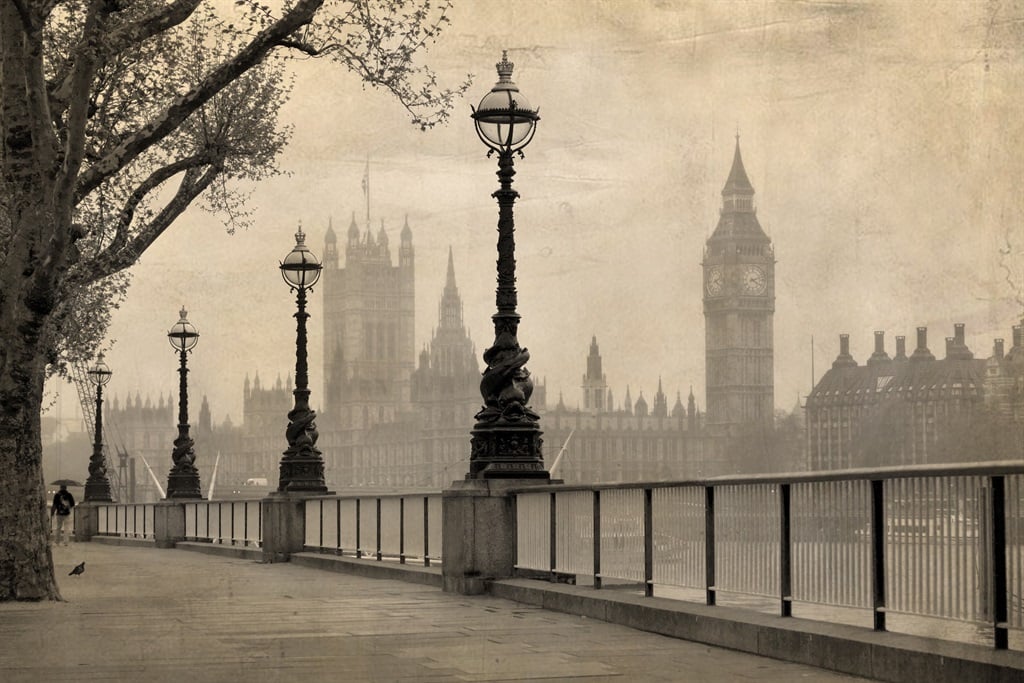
{"type": "Point", "coordinates": [754, 280]}
{"type": "Point", "coordinates": [715, 281]}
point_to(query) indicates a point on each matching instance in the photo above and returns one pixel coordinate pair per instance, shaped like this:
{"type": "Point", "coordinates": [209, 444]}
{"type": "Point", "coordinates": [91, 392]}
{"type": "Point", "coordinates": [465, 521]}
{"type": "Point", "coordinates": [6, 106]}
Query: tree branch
{"type": "Point", "coordinates": [194, 182]}
{"type": "Point", "coordinates": [128, 35]}
{"type": "Point", "coordinates": [221, 77]}
{"type": "Point", "coordinates": [86, 62]}
{"type": "Point", "coordinates": [155, 179]}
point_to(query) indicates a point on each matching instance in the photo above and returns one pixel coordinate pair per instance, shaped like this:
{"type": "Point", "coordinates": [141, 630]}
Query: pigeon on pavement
{"type": "Point", "coordinates": [79, 569]}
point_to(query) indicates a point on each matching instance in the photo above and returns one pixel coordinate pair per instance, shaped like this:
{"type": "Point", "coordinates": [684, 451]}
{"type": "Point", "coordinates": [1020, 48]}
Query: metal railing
{"type": "Point", "coordinates": [386, 527]}
{"type": "Point", "coordinates": [128, 520]}
{"type": "Point", "coordinates": [937, 543]}
{"type": "Point", "coordinates": [225, 522]}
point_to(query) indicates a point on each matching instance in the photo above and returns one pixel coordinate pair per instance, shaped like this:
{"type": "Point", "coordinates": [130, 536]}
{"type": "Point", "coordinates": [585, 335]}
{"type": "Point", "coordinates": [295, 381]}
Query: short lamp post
{"type": "Point", "coordinates": [302, 467]}
{"type": "Point", "coordinates": [506, 440]}
{"type": "Point", "coordinates": [183, 480]}
{"type": "Point", "coordinates": [97, 486]}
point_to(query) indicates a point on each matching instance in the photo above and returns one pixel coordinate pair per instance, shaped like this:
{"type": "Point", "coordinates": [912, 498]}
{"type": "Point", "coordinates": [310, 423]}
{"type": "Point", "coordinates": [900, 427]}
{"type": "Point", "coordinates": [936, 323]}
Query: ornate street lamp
{"type": "Point", "coordinates": [183, 481]}
{"type": "Point", "coordinates": [97, 486]}
{"type": "Point", "coordinates": [506, 437]}
{"type": "Point", "coordinates": [302, 468]}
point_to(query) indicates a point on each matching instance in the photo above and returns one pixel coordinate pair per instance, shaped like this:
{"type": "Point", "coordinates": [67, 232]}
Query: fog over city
{"type": "Point", "coordinates": [883, 141]}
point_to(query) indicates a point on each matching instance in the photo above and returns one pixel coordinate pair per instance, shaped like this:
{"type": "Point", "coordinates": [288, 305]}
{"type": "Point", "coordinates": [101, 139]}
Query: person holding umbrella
{"type": "Point", "coordinates": [63, 501]}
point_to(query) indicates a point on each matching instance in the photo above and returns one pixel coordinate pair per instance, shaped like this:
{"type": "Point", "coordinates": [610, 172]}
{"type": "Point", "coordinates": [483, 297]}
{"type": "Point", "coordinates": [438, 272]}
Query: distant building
{"type": "Point", "coordinates": [387, 421]}
{"type": "Point", "coordinates": [739, 303]}
{"type": "Point", "coordinates": [596, 395]}
{"type": "Point", "coordinates": [143, 430]}
{"type": "Point", "coordinates": [369, 307]}
{"type": "Point", "coordinates": [630, 443]}
{"type": "Point", "coordinates": [917, 409]}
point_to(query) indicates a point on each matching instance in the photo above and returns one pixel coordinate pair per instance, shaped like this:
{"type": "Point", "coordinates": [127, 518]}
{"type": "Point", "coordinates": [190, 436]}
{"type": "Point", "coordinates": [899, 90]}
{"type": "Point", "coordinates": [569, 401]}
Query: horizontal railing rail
{"type": "Point", "coordinates": [938, 544]}
{"type": "Point", "coordinates": [400, 527]}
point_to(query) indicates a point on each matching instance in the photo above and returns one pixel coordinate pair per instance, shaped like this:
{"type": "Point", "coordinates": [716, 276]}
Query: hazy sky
{"type": "Point", "coordinates": [883, 139]}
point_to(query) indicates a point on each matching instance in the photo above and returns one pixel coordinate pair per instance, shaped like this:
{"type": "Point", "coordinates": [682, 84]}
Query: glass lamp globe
{"type": "Point", "coordinates": [300, 268]}
{"type": "Point", "coordinates": [99, 374]}
{"type": "Point", "coordinates": [505, 121]}
{"type": "Point", "coordinates": [183, 335]}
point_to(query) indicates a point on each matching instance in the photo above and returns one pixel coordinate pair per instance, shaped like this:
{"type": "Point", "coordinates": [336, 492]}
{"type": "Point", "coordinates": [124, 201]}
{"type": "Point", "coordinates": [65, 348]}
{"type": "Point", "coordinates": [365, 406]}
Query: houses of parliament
{"type": "Point", "coordinates": [394, 417]}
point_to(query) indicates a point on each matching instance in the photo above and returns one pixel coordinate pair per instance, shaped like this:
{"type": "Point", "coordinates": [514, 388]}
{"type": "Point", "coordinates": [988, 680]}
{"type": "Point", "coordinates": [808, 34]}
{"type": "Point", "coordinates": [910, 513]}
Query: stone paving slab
{"type": "Point", "coordinates": [143, 614]}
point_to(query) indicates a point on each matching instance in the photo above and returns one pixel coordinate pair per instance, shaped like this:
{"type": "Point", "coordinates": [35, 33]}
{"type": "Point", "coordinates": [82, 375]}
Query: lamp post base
{"type": "Point", "coordinates": [98, 491]}
{"type": "Point", "coordinates": [507, 452]}
{"type": "Point", "coordinates": [184, 485]}
{"type": "Point", "coordinates": [302, 475]}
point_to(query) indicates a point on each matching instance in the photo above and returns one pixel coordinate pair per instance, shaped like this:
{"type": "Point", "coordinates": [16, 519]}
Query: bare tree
{"type": "Point", "coordinates": [117, 116]}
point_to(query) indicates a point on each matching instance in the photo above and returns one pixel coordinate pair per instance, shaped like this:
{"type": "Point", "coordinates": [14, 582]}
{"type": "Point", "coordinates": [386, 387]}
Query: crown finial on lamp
{"type": "Point", "coordinates": [504, 68]}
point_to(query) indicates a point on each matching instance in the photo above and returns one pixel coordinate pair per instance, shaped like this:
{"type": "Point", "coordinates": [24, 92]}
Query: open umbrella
{"type": "Point", "coordinates": [64, 482]}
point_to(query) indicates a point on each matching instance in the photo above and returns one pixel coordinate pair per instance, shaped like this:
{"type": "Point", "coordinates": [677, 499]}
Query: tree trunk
{"type": "Point", "coordinates": [35, 254]}
{"type": "Point", "coordinates": [26, 564]}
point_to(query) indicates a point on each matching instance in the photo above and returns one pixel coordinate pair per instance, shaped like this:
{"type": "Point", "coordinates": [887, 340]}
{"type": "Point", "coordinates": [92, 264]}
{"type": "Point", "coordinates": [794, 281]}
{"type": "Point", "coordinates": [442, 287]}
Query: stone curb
{"type": "Point", "coordinates": [883, 656]}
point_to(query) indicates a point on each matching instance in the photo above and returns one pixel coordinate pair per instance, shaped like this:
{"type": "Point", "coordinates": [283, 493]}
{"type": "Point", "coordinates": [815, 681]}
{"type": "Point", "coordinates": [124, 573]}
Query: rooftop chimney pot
{"type": "Point", "coordinates": [901, 347]}
{"type": "Point", "coordinates": [922, 352]}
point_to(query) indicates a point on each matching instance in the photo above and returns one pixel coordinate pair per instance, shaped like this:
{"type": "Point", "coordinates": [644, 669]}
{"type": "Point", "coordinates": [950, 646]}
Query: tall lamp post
{"type": "Point", "coordinates": [183, 480]}
{"type": "Point", "coordinates": [506, 439]}
{"type": "Point", "coordinates": [302, 467]}
{"type": "Point", "coordinates": [97, 486]}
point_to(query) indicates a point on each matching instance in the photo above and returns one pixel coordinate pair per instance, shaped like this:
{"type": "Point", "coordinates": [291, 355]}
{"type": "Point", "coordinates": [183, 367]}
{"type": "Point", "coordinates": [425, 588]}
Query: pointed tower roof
{"type": "Point", "coordinates": [353, 229]}
{"type": "Point", "coordinates": [737, 182]}
{"type": "Point", "coordinates": [382, 237]}
{"type": "Point", "coordinates": [406, 231]}
{"type": "Point", "coordinates": [738, 219]}
{"type": "Point", "coordinates": [449, 283]}
{"type": "Point", "coordinates": [329, 236]}
{"type": "Point", "coordinates": [640, 407]}
{"type": "Point", "coordinates": [451, 302]}
{"type": "Point", "coordinates": [677, 409]}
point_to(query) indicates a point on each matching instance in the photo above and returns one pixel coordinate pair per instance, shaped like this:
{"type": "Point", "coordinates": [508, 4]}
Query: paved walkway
{"type": "Point", "coordinates": [148, 615]}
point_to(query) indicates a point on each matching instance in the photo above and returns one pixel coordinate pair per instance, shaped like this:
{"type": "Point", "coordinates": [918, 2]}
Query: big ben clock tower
{"type": "Point", "coordinates": [739, 300]}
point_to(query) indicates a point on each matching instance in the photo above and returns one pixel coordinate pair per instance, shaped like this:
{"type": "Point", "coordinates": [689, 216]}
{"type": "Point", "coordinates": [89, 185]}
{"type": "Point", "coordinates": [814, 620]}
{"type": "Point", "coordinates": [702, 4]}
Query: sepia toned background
{"type": "Point", "coordinates": [883, 139]}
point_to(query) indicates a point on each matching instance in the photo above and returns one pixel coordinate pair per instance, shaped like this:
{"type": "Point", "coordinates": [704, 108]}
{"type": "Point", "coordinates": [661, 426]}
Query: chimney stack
{"type": "Point", "coordinates": [997, 349]}
{"type": "Point", "coordinates": [1016, 336]}
{"type": "Point", "coordinates": [901, 347]}
{"type": "Point", "coordinates": [959, 347]}
{"type": "Point", "coordinates": [879, 356]}
{"type": "Point", "coordinates": [922, 352]}
{"type": "Point", "coordinates": [844, 359]}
